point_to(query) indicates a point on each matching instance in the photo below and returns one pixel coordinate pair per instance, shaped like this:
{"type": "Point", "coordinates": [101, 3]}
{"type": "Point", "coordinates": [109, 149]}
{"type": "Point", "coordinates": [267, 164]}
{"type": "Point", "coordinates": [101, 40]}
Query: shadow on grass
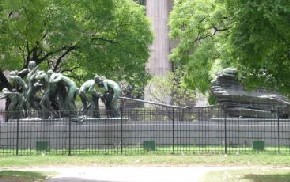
{"type": "Point", "coordinates": [268, 178]}
{"type": "Point", "coordinates": [22, 176]}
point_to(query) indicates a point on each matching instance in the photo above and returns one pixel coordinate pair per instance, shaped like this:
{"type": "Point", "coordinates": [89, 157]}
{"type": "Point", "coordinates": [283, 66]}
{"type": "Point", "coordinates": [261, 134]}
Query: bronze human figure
{"type": "Point", "coordinates": [110, 96]}
{"type": "Point", "coordinates": [15, 108]}
{"type": "Point", "coordinates": [66, 92]}
{"type": "Point", "coordinates": [32, 101]}
{"type": "Point", "coordinates": [90, 98]}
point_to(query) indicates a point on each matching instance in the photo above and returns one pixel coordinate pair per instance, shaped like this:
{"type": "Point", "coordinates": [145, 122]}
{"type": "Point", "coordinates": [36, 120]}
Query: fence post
{"type": "Point", "coordinates": [17, 136]}
{"type": "Point", "coordinates": [173, 130]}
{"type": "Point", "coordinates": [278, 129]}
{"type": "Point", "coordinates": [69, 136]}
{"type": "Point", "coordinates": [181, 112]}
{"type": "Point", "coordinates": [122, 112]}
{"type": "Point", "coordinates": [226, 137]}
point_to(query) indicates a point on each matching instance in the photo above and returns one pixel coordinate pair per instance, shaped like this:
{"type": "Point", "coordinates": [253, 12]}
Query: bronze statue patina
{"type": "Point", "coordinates": [53, 94]}
{"type": "Point", "coordinates": [15, 108]}
{"type": "Point", "coordinates": [16, 97]}
{"type": "Point", "coordinates": [90, 98]}
{"type": "Point", "coordinates": [17, 82]}
{"type": "Point", "coordinates": [66, 92]}
{"type": "Point", "coordinates": [43, 81]}
{"type": "Point", "coordinates": [31, 100]}
{"type": "Point", "coordinates": [110, 96]}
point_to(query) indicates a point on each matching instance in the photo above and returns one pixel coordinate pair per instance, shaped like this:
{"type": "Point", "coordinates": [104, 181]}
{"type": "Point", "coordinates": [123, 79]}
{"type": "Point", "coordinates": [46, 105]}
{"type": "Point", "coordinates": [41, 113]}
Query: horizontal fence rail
{"type": "Point", "coordinates": [160, 130]}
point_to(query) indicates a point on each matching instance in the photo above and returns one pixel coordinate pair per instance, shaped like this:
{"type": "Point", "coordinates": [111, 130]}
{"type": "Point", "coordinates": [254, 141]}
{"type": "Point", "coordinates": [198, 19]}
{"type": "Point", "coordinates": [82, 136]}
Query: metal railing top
{"type": "Point", "coordinates": [154, 103]}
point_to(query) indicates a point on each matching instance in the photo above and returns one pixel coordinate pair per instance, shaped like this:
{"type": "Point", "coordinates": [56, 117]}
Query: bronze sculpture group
{"type": "Point", "coordinates": [53, 95]}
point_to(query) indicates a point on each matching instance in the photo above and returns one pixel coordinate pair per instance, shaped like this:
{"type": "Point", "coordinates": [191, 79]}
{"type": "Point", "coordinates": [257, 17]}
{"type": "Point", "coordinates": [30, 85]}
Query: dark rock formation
{"type": "Point", "coordinates": [238, 102]}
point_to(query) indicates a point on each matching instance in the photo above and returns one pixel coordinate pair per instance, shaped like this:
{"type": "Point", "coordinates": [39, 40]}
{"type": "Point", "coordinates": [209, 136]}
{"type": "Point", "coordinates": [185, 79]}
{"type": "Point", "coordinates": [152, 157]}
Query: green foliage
{"type": "Point", "coordinates": [79, 38]}
{"type": "Point", "coordinates": [195, 24]}
{"type": "Point", "coordinates": [251, 35]}
{"type": "Point", "coordinates": [160, 88]}
{"type": "Point", "coordinates": [260, 41]}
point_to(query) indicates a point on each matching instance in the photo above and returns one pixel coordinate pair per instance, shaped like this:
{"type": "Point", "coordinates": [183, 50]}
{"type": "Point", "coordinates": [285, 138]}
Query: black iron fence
{"type": "Point", "coordinates": [159, 130]}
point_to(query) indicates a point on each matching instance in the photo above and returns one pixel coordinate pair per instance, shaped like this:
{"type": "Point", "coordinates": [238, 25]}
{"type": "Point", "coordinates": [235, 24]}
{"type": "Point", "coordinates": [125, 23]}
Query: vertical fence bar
{"type": "Point", "coordinates": [122, 112]}
{"type": "Point", "coordinates": [17, 137]}
{"type": "Point", "coordinates": [69, 136]}
{"type": "Point", "coordinates": [226, 137]}
{"type": "Point", "coordinates": [278, 129]}
{"type": "Point", "coordinates": [173, 130]}
{"type": "Point", "coordinates": [1, 113]}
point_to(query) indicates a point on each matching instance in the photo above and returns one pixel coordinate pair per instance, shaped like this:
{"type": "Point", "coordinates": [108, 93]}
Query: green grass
{"type": "Point", "coordinates": [150, 160]}
{"type": "Point", "coordinates": [160, 150]}
{"type": "Point", "coordinates": [254, 161]}
{"type": "Point", "coordinates": [248, 175]}
{"type": "Point", "coordinates": [23, 176]}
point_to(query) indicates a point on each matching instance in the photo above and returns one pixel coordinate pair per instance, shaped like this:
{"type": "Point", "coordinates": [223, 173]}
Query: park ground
{"type": "Point", "coordinates": [200, 168]}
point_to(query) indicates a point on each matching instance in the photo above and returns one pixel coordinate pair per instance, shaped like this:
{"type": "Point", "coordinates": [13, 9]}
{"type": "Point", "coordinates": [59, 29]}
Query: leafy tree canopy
{"type": "Point", "coordinates": [251, 35]}
{"type": "Point", "coordinates": [79, 38]}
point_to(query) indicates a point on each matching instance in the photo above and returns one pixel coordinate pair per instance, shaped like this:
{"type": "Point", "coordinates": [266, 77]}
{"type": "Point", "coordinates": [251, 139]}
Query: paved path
{"type": "Point", "coordinates": [130, 174]}
{"type": "Point", "coordinates": [125, 174]}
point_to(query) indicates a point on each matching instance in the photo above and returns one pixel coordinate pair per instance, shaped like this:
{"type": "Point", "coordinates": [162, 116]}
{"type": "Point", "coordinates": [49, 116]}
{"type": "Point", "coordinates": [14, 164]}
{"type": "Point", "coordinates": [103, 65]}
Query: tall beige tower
{"type": "Point", "coordinates": [158, 63]}
{"type": "Point", "coordinates": [158, 12]}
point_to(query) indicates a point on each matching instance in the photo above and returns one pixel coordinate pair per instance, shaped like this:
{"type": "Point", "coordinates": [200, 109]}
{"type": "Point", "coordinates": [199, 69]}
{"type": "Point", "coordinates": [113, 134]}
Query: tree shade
{"type": "Point", "coordinates": [251, 35]}
{"type": "Point", "coordinates": [78, 38]}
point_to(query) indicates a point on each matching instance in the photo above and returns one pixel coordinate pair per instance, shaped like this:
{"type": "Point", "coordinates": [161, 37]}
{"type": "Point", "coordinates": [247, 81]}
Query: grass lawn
{"type": "Point", "coordinates": [150, 160]}
{"type": "Point", "coordinates": [248, 175]}
{"type": "Point", "coordinates": [255, 167]}
{"type": "Point", "coordinates": [23, 176]}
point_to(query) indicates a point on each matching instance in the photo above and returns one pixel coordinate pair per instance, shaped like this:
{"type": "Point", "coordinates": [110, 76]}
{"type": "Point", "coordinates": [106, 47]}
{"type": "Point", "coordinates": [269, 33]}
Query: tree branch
{"type": "Point", "coordinates": [67, 50]}
{"type": "Point", "coordinates": [28, 55]}
{"type": "Point", "coordinates": [199, 38]}
{"type": "Point", "coordinates": [219, 30]}
{"type": "Point", "coordinates": [57, 51]}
